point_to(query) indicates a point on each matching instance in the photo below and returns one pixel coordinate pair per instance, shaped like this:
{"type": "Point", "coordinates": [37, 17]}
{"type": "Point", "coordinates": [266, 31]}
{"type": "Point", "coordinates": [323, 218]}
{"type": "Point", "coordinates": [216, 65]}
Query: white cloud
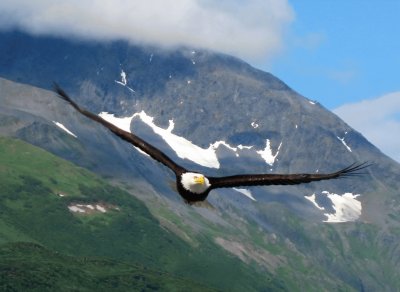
{"type": "Point", "coordinates": [378, 120]}
{"type": "Point", "coordinates": [248, 29]}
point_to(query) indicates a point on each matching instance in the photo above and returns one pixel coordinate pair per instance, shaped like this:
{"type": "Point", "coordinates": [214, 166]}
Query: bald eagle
{"type": "Point", "coordinates": [194, 186]}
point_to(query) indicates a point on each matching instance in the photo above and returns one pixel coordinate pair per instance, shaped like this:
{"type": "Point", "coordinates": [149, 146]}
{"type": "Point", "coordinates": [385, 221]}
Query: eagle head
{"type": "Point", "coordinates": [195, 182]}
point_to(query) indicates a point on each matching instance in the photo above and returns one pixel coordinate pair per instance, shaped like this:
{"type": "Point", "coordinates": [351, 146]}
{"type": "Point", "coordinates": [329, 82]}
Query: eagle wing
{"type": "Point", "coordinates": [283, 179]}
{"type": "Point", "coordinates": [129, 137]}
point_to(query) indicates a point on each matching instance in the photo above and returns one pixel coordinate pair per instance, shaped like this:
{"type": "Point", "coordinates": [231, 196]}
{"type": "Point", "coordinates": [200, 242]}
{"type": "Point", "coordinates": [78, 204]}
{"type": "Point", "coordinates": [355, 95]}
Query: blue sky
{"type": "Point", "coordinates": [342, 51]}
{"type": "Point", "coordinates": [345, 54]}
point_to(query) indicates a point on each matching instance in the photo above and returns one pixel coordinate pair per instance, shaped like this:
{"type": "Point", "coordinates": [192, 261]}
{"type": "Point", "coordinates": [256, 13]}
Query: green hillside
{"type": "Point", "coordinates": [112, 237]}
{"type": "Point", "coordinates": [28, 266]}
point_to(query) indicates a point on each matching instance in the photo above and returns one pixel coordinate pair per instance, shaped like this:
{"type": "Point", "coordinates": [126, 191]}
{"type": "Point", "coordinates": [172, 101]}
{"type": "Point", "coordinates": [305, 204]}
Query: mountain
{"type": "Point", "coordinates": [216, 114]}
{"type": "Point", "coordinates": [62, 228]}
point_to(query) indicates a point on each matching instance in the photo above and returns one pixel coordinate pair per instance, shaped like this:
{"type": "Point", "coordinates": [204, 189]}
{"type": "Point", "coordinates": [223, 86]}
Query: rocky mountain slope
{"type": "Point", "coordinates": [216, 114]}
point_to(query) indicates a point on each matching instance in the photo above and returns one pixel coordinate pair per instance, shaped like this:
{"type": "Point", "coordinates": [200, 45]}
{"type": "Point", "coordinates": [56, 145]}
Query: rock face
{"type": "Point", "coordinates": [232, 116]}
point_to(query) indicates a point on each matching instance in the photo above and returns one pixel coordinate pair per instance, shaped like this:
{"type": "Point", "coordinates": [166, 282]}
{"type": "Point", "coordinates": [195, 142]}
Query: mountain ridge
{"type": "Point", "coordinates": [213, 98]}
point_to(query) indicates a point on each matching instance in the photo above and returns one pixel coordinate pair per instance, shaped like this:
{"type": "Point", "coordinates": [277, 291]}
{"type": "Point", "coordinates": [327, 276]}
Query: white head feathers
{"type": "Point", "coordinates": [195, 182]}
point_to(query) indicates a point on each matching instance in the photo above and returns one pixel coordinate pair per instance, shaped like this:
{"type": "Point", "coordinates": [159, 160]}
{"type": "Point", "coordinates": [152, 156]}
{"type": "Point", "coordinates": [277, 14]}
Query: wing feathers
{"type": "Point", "coordinates": [283, 179]}
{"type": "Point", "coordinates": [218, 182]}
{"type": "Point", "coordinates": [129, 137]}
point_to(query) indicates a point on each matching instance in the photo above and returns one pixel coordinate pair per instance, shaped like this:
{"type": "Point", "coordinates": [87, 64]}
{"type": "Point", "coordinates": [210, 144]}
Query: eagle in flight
{"type": "Point", "coordinates": [194, 186]}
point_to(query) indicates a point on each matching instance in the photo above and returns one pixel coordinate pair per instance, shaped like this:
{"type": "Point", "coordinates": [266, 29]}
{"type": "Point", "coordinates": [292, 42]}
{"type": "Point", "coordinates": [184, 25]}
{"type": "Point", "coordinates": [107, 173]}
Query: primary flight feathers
{"type": "Point", "coordinates": [194, 186]}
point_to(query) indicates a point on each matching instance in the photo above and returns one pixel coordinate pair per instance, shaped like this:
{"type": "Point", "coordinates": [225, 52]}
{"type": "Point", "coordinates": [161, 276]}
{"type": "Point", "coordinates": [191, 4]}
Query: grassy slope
{"type": "Point", "coordinates": [29, 266]}
{"type": "Point", "coordinates": [32, 211]}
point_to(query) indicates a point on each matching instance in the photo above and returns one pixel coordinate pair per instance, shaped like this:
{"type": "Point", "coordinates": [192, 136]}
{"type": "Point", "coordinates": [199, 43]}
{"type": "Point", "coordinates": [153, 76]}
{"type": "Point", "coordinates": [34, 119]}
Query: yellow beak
{"type": "Point", "coordinates": [199, 180]}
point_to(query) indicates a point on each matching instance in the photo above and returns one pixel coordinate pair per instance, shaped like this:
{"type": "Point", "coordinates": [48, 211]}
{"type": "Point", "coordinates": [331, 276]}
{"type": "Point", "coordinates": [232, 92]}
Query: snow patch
{"type": "Point", "coordinates": [76, 209]}
{"type": "Point", "coordinates": [344, 143]}
{"type": "Point", "coordinates": [61, 126]}
{"type": "Point", "coordinates": [184, 148]}
{"type": "Point", "coordinates": [311, 102]}
{"type": "Point", "coordinates": [347, 207]}
{"type": "Point", "coordinates": [123, 77]}
{"type": "Point", "coordinates": [267, 154]}
{"type": "Point", "coordinates": [216, 144]}
{"type": "Point", "coordinates": [124, 81]}
{"type": "Point", "coordinates": [91, 208]}
{"type": "Point", "coordinates": [122, 123]}
{"type": "Point", "coordinates": [171, 125]}
{"type": "Point", "coordinates": [101, 208]}
{"type": "Point", "coordinates": [254, 125]}
{"type": "Point", "coordinates": [312, 200]}
{"type": "Point", "coordinates": [241, 147]}
{"type": "Point", "coordinates": [245, 192]}
{"type": "Point", "coordinates": [141, 151]}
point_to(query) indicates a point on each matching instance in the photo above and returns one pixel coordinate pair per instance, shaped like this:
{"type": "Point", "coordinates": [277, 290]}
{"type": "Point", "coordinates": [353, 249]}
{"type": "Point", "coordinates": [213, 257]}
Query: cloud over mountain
{"type": "Point", "coordinates": [249, 29]}
{"type": "Point", "coordinates": [378, 119]}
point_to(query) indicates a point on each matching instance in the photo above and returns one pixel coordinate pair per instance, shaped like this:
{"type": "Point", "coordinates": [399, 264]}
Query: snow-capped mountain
{"type": "Point", "coordinates": [216, 114]}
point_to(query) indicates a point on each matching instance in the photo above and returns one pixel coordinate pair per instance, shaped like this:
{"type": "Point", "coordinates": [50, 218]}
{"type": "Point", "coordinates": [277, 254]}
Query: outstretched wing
{"type": "Point", "coordinates": [282, 179]}
{"type": "Point", "coordinates": [129, 137]}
